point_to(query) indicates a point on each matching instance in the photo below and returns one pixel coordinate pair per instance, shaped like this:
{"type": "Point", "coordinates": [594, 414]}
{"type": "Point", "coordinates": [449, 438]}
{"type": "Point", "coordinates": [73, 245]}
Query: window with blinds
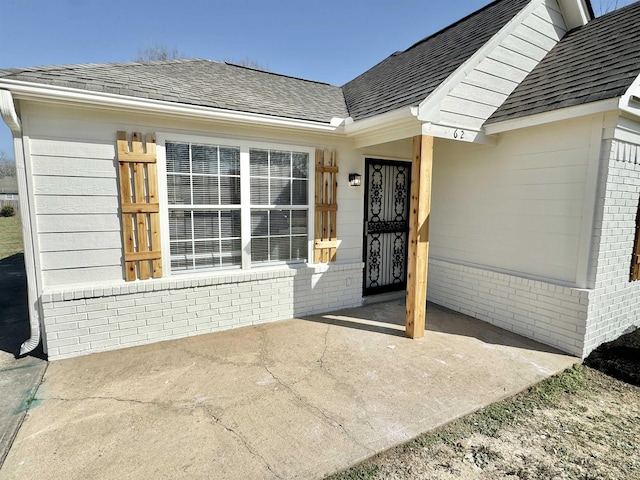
{"type": "Point", "coordinates": [206, 208]}
{"type": "Point", "coordinates": [279, 187]}
{"type": "Point", "coordinates": [203, 189]}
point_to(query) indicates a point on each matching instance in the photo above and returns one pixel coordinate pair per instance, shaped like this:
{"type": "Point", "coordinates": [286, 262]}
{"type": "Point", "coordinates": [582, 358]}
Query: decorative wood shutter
{"type": "Point", "coordinates": [635, 258]}
{"type": "Point", "coordinates": [138, 174]}
{"type": "Point", "coordinates": [326, 209]}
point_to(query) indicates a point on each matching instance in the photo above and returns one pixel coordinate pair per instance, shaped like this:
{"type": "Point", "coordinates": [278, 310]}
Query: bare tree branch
{"type": "Point", "coordinates": [7, 165]}
{"type": "Point", "coordinates": [156, 53]}
{"type": "Point", "coordinates": [605, 6]}
{"type": "Point", "coordinates": [249, 63]}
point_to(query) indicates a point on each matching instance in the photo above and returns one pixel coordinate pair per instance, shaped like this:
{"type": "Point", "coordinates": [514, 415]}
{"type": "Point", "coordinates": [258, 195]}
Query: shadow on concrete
{"type": "Point", "coordinates": [388, 317]}
{"type": "Point", "coordinates": [14, 315]}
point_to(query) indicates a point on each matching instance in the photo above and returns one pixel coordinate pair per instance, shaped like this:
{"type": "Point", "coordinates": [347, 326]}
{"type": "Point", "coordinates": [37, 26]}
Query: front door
{"type": "Point", "coordinates": [386, 226]}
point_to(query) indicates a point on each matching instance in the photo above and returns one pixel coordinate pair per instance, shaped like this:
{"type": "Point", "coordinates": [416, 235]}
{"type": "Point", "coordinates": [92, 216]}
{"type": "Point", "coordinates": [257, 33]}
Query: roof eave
{"type": "Point", "coordinates": [429, 108]}
{"type": "Point", "coordinates": [383, 128]}
{"type": "Point", "coordinates": [630, 101]}
{"type": "Point", "coordinates": [576, 12]}
{"type": "Point", "coordinates": [602, 106]}
{"type": "Point", "coordinates": [51, 93]}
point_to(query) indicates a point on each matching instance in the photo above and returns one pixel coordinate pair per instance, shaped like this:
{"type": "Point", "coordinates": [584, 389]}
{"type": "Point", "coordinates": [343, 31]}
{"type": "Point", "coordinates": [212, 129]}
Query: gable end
{"type": "Point", "coordinates": [481, 85]}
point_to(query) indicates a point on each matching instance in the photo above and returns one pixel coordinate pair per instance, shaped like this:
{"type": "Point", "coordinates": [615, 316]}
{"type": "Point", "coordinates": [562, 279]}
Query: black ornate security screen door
{"type": "Point", "coordinates": [386, 227]}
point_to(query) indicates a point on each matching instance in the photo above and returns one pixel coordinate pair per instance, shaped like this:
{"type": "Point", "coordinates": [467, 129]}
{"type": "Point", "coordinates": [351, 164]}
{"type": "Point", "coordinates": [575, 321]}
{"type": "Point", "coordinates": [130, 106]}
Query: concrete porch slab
{"type": "Point", "coordinates": [300, 398]}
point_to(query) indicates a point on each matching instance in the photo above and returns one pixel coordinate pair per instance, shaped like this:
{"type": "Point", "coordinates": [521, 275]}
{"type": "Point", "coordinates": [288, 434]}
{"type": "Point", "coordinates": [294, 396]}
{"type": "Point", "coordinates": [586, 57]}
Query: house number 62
{"type": "Point", "coordinates": [458, 133]}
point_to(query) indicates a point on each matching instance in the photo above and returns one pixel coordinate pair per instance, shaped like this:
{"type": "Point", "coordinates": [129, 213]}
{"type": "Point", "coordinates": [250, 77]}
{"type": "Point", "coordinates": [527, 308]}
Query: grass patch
{"type": "Point", "coordinates": [10, 236]}
{"type": "Point", "coordinates": [493, 418]}
{"type": "Point", "coordinates": [489, 421]}
{"type": "Point", "coordinates": [364, 471]}
{"type": "Point", "coordinates": [579, 425]}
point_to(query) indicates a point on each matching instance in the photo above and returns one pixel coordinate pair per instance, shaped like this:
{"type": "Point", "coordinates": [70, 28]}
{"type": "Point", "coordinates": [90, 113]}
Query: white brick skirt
{"type": "Point", "coordinates": [552, 314]}
{"type": "Point", "coordinates": [81, 320]}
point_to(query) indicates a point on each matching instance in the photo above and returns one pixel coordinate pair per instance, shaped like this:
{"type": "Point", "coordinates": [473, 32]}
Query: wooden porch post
{"type": "Point", "coordinates": [418, 258]}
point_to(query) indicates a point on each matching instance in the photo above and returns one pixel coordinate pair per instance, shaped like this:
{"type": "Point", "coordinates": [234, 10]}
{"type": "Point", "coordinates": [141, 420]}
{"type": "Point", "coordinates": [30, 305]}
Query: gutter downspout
{"type": "Point", "coordinates": [10, 116]}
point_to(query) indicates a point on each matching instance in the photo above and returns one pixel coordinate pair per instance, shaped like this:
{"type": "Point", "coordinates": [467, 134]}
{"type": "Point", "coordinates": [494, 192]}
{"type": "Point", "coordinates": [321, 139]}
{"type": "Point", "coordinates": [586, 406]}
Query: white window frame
{"type": "Point", "coordinates": [245, 197]}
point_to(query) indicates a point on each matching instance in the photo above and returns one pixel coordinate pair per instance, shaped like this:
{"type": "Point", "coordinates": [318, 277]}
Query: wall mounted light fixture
{"type": "Point", "coordinates": [355, 179]}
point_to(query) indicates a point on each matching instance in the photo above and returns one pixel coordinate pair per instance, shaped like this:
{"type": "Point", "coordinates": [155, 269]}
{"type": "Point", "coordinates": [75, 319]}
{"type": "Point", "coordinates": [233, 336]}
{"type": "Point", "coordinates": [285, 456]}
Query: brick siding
{"type": "Point", "coordinates": [87, 320]}
{"type": "Point", "coordinates": [615, 304]}
{"type": "Point", "coordinates": [552, 314]}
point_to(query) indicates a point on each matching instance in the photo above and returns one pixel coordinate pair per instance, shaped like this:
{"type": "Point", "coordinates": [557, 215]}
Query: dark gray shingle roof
{"type": "Point", "coordinates": [407, 78]}
{"type": "Point", "coordinates": [595, 62]}
{"type": "Point", "coordinates": [198, 82]}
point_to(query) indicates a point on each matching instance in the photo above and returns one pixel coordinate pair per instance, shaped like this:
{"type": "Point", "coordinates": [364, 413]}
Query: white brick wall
{"type": "Point", "coordinates": [571, 319]}
{"type": "Point", "coordinates": [615, 304]}
{"type": "Point", "coordinates": [108, 317]}
{"type": "Point", "coordinates": [551, 314]}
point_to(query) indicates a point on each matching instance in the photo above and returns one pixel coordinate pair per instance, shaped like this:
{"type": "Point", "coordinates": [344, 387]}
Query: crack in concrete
{"type": "Point", "coordinates": [304, 402]}
{"type": "Point", "coordinates": [169, 406]}
{"type": "Point", "coordinates": [244, 442]}
{"type": "Point", "coordinates": [354, 394]}
{"type": "Point", "coordinates": [326, 346]}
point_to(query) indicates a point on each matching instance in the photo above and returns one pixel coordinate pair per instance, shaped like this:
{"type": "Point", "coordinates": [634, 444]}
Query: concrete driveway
{"type": "Point", "coordinates": [301, 398]}
{"type": "Point", "coordinates": [19, 378]}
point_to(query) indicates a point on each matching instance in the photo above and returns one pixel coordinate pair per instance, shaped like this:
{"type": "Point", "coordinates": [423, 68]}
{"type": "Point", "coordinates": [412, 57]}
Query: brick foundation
{"type": "Point", "coordinates": [108, 317]}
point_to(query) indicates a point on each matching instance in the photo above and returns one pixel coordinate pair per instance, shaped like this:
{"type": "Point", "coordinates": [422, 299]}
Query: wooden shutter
{"type": "Point", "coordinates": [635, 258]}
{"type": "Point", "coordinates": [326, 209]}
{"type": "Point", "coordinates": [138, 174]}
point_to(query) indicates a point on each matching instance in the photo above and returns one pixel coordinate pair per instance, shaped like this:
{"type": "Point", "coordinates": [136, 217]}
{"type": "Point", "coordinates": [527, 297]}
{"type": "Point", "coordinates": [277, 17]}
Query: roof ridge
{"type": "Point", "coordinates": [605, 16]}
{"type": "Point", "coordinates": [606, 75]}
{"type": "Point", "coordinates": [231, 64]}
{"type": "Point", "coordinates": [425, 39]}
{"type": "Point", "coordinates": [449, 27]}
{"type": "Point", "coordinates": [597, 21]}
{"type": "Point", "coordinates": [73, 66]}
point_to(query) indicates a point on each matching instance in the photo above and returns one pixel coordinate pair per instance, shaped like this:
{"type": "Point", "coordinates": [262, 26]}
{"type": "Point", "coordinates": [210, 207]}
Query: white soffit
{"type": "Point", "coordinates": [576, 12]}
{"type": "Point", "coordinates": [630, 101]}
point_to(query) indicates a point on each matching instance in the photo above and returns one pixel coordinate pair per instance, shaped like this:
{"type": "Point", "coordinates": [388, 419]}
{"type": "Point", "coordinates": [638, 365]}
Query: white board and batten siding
{"type": "Point", "coordinates": [474, 99]}
{"type": "Point", "coordinates": [516, 207]}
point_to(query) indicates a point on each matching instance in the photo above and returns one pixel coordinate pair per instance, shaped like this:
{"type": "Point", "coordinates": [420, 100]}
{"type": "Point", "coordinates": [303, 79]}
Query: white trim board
{"type": "Point", "coordinates": [245, 205]}
{"type": "Point", "coordinates": [552, 116]}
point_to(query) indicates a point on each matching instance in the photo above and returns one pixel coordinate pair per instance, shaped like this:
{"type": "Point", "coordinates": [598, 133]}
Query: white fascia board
{"type": "Point", "coordinates": [32, 91]}
{"type": "Point", "coordinates": [624, 129]}
{"type": "Point", "coordinates": [356, 127]}
{"type": "Point", "coordinates": [458, 134]}
{"type": "Point", "coordinates": [387, 127]}
{"type": "Point", "coordinates": [553, 116]}
{"type": "Point", "coordinates": [429, 108]}
{"type": "Point", "coordinates": [575, 13]}
{"type": "Point", "coordinates": [630, 101]}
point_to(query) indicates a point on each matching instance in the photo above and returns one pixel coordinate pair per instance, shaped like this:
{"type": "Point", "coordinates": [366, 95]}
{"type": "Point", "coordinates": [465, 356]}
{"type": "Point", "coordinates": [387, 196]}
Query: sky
{"type": "Point", "coordinates": [330, 41]}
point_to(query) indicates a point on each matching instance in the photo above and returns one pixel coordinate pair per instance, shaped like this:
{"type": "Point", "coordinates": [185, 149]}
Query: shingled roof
{"type": "Point", "coordinates": [598, 61]}
{"type": "Point", "coordinates": [595, 62]}
{"type": "Point", "coordinates": [198, 82]}
{"type": "Point", "coordinates": [407, 78]}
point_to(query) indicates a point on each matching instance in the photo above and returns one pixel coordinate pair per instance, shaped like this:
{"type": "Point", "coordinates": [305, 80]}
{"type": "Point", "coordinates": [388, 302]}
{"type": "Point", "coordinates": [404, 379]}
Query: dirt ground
{"type": "Point", "coordinates": [581, 424]}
